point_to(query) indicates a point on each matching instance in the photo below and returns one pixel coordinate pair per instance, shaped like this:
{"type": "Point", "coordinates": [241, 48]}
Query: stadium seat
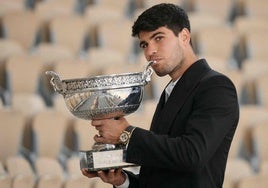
{"type": "Point", "coordinates": [75, 176]}
{"type": "Point", "coordinates": [49, 173]}
{"type": "Point", "coordinates": [70, 31]}
{"type": "Point", "coordinates": [260, 181]}
{"type": "Point", "coordinates": [108, 39]}
{"type": "Point", "coordinates": [236, 170]}
{"type": "Point", "coordinates": [260, 140]}
{"type": "Point", "coordinates": [49, 135]}
{"type": "Point", "coordinates": [21, 172]}
{"type": "Point", "coordinates": [23, 26]}
{"type": "Point", "coordinates": [12, 127]}
{"type": "Point", "coordinates": [5, 180]}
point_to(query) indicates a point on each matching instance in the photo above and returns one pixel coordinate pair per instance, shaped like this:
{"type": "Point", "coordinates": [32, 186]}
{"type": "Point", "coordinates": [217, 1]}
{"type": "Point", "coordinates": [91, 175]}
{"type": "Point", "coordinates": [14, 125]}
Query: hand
{"type": "Point", "coordinates": [114, 176]}
{"type": "Point", "coordinates": [109, 129]}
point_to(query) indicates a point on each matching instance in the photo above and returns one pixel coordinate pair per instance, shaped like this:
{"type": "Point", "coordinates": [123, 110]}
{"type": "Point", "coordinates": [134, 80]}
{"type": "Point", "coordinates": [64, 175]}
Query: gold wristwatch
{"type": "Point", "coordinates": [126, 134]}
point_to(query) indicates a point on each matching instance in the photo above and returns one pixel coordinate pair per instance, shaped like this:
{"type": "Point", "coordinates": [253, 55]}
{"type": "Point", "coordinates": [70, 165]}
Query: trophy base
{"type": "Point", "coordinates": [103, 160]}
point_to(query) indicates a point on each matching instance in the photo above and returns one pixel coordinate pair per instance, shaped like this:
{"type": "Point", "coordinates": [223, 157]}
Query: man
{"type": "Point", "coordinates": [195, 119]}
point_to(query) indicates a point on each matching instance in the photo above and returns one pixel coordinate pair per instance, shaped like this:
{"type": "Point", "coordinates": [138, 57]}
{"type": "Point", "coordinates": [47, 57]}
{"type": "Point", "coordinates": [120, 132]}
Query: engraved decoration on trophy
{"type": "Point", "coordinates": [100, 97]}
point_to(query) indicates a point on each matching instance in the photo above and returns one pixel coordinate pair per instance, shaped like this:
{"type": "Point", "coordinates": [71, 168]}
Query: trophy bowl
{"type": "Point", "coordinates": [102, 97]}
{"type": "Point", "coordinates": [105, 96]}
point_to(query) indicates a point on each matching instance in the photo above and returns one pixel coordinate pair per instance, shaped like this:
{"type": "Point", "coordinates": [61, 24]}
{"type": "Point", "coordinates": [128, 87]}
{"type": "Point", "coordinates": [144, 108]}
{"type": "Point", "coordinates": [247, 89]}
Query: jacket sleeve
{"type": "Point", "coordinates": [133, 179]}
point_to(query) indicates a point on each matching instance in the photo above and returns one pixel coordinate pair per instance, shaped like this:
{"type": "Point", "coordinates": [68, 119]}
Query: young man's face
{"type": "Point", "coordinates": [163, 47]}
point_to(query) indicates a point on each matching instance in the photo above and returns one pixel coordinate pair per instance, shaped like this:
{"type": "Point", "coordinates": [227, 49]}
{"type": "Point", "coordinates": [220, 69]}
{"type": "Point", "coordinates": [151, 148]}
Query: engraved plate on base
{"type": "Point", "coordinates": [103, 160]}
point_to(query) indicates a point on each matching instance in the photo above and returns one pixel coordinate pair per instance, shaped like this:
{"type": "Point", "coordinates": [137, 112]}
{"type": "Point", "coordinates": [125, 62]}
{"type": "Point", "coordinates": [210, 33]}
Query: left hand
{"type": "Point", "coordinates": [109, 129]}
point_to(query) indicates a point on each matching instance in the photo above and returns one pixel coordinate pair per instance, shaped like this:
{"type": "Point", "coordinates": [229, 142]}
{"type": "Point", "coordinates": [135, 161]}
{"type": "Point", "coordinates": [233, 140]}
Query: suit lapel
{"type": "Point", "coordinates": [157, 112]}
{"type": "Point", "coordinates": [165, 113]}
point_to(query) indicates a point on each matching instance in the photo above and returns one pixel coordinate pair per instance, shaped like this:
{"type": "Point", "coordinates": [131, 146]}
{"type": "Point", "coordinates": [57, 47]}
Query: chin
{"type": "Point", "coordinates": [161, 74]}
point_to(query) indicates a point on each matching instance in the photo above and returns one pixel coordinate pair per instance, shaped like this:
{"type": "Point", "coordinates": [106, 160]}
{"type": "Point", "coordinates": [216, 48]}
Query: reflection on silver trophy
{"type": "Point", "coordinates": [100, 97]}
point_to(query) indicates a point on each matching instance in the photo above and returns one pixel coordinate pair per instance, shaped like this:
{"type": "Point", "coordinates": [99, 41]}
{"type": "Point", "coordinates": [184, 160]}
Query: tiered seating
{"type": "Point", "coordinates": [201, 20]}
{"type": "Point", "coordinates": [255, 8]}
{"type": "Point", "coordinates": [50, 141]}
{"type": "Point", "coordinates": [94, 18]}
{"type": "Point", "coordinates": [23, 85]}
{"type": "Point", "coordinates": [122, 6]}
{"type": "Point", "coordinates": [12, 134]}
{"type": "Point", "coordinates": [22, 26]}
{"type": "Point", "coordinates": [210, 42]}
{"type": "Point", "coordinates": [231, 35]}
{"type": "Point", "coordinates": [6, 6]}
{"type": "Point", "coordinates": [121, 29]}
{"type": "Point", "coordinates": [5, 180]}
{"type": "Point", "coordinates": [256, 43]}
{"type": "Point", "coordinates": [149, 3]}
{"type": "Point", "coordinates": [10, 48]}
{"type": "Point", "coordinates": [84, 134]}
{"type": "Point", "coordinates": [49, 173]}
{"type": "Point", "coordinates": [250, 116]}
{"type": "Point", "coordinates": [242, 26]}
{"type": "Point", "coordinates": [259, 138]}
{"type": "Point", "coordinates": [75, 177]}
{"type": "Point", "coordinates": [236, 170]}
{"type": "Point", "coordinates": [52, 53]}
{"type": "Point", "coordinates": [70, 31]}
{"type": "Point", "coordinates": [99, 59]}
{"type": "Point", "coordinates": [49, 9]}
{"type": "Point", "coordinates": [21, 172]}
{"type": "Point", "coordinates": [223, 9]}
{"type": "Point", "coordinates": [260, 181]}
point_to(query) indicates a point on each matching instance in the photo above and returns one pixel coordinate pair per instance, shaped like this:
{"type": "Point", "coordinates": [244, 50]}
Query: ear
{"type": "Point", "coordinates": [185, 36]}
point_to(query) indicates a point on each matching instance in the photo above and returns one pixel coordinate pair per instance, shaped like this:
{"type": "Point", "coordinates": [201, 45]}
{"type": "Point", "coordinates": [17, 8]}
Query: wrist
{"type": "Point", "coordinates": [122, 180]}
{"type": "Point", "coordinates": [126, 135]}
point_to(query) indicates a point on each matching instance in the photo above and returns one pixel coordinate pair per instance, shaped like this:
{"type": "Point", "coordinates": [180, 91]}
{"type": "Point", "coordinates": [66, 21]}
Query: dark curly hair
{"type": "Point", "coordinates": [164, 14]}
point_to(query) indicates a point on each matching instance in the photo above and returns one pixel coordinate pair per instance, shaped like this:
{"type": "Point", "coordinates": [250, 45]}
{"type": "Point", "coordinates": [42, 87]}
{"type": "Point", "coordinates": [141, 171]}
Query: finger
{"type": "Point", "coordinates": [118, 171]}
{"type": "Point", "coordinates": [98, 128]}
{"type": "Point", "coordinates": [101, 133]}
{"type": "Point", "coordinates": [96, 123]}
{"type": "Point", "coordinates": [102, 176]}
{"type": "Point", "coordinates": [121, 118]}
{"type": "Point", "coordinates": [84, 172]}
{"type": "Point", "coordinates": [107, 176]}
{"type": "Point", "coordinates": [111, 171]}
{"type": "Point", "coordinates": [88, 174]}
{"type": "Point", "coordinates": [99, 138]}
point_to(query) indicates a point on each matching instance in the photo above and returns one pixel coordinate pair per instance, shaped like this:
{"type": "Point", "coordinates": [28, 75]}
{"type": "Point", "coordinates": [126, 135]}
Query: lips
{"type": "Point", "coordinates": [155, 59]}
{"type": "Point", "coordinates": [155, 64]}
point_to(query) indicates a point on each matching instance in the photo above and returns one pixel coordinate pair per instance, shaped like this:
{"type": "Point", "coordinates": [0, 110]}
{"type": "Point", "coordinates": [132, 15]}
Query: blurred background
{"type": "Point", "coordinates": [40, 139]}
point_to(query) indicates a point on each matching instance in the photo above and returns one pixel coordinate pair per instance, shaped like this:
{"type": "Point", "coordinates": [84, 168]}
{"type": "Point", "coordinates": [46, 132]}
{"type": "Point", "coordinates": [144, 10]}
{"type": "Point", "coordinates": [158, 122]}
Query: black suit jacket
{"type": "Point", "coordinates": [190, 135]}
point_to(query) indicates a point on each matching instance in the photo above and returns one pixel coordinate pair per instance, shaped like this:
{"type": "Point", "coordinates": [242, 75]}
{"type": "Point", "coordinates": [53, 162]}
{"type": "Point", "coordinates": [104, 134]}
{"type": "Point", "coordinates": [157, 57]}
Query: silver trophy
{"type": "Point", "coordinates": [101, 97]}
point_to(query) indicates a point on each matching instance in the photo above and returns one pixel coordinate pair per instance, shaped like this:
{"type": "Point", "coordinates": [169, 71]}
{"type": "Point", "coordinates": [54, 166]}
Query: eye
{"type": "Point", "coordinates": [158, 38]}
{"type": "Point", "coordinates": [143, 45]}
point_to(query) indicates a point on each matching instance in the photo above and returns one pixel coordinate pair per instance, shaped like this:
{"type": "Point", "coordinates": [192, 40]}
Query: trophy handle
{"type": "Point", "coordinates": [146, 75]}
{"type": "Point", "coordinates": [56, 82]}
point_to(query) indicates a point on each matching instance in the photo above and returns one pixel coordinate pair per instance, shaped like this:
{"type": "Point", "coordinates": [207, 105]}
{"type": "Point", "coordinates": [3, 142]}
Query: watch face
{"type": "Point", "coordinates": [124, 137]}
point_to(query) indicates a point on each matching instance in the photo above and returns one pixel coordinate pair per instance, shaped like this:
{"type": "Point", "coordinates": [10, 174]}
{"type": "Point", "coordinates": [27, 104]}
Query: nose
{"type": "Point", "coordinates": [151, 51]}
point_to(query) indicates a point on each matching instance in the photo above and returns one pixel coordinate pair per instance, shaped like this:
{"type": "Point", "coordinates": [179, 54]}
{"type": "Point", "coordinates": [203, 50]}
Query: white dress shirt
{"type": "Point", "coordinates": [169, 89]}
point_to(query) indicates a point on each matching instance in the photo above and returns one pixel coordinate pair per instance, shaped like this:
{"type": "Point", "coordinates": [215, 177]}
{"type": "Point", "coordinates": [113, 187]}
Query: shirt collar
{"type": "Point", "coordinates": [170, 87]}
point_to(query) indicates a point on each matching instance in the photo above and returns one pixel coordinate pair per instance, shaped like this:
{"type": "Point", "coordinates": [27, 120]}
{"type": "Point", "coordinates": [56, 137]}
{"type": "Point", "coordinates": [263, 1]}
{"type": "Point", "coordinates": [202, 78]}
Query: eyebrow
{"type": "Point", "coordinates": [151, 37]}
